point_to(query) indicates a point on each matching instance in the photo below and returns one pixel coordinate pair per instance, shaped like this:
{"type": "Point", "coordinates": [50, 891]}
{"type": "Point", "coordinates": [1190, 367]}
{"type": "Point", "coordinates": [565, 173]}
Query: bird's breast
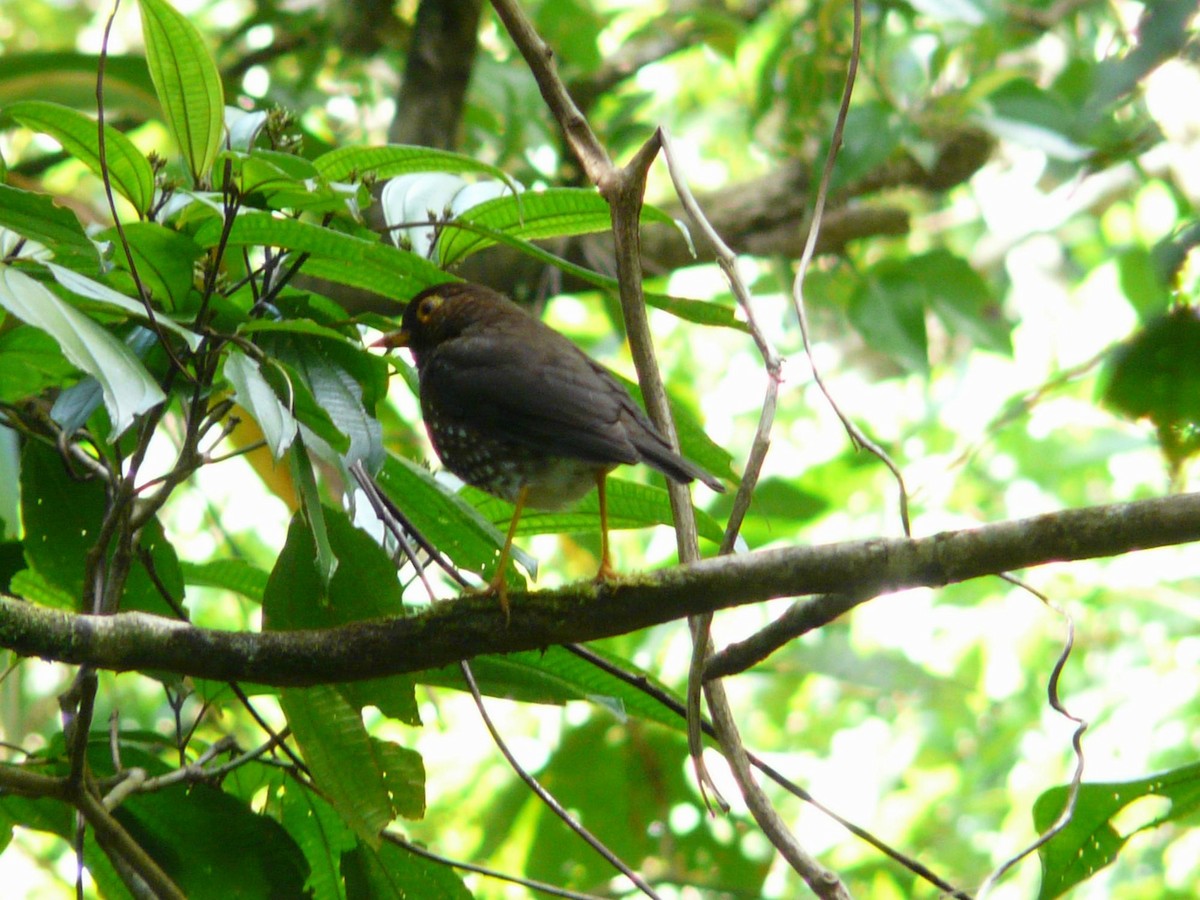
{"type": "Point", "coordinates": [503, 468]}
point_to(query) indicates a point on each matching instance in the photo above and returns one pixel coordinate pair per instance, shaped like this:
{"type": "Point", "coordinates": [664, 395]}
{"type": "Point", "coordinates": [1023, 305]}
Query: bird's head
{"type": "Point", "coordinates": [438, 314]}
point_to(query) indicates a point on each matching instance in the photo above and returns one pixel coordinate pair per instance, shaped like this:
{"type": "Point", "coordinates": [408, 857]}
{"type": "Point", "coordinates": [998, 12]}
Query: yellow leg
{"type": "Point", "coordinates": [606, 569]}
{"type": "Point", "coordinates": [498, 585]}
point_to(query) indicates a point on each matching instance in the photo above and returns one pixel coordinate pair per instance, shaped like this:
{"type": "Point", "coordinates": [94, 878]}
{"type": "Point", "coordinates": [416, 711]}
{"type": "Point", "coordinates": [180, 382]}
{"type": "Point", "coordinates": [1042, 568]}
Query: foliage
{"type": "Point", "coordinates": [192, 414]}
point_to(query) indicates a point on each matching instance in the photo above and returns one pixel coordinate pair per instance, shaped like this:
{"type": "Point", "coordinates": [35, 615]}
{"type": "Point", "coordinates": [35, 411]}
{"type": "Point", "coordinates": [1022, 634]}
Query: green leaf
{"type": "Point", "coordinates": [31, 586]}
{"type": "Point", "coordinates": [871, 134]}
{"type": "Point", "coordinates": [558, 676]}
{"type": "Point", "coordinates": [404, 774]}
{"type": "Point", "coordinates": [702, 312]}
{"type": "Point", "coordinates": [165, 260]}
{"type": "Point", "coordinates": [340, 754]}
{"type": "Point", "coordinates": [372, 265]}
{"type": "Point", "coordinates": [890, 305]}
{"type": "Point", "coordinates": [293, 389]}
{"type": "Point", "coordinates": [287, 182]}
{"type": "Point", "coordinates": [187, 82]}
{"type": "Point", "coordinates": [37, 218]}
{"type": "Point", "coordinates": [229, 574]}
{"type": "Point", "coordinates": [399, 159]}
{"type": "Point", "coordinates": [389, 872]}
{"type": "Point", "coordinates": [888, 310]}
{"type": "Point", "coordinates": [960, 297]}
{"type": "Point", "coordinates": [1142, 284]}
{"type": "Point", "coordinates": [573, 29]}
{"type": "Point", "coordinates": [448, 521]}
{"type": "Point", "coordinates": [643, 778]}
{"type": "Point", "coordinates": [255, 395]}
{"type": "Point", "coordinates": [533, 215]}
{"type": "Point", "coordinates": [189, 830]}
{"type": "Point", "coordinates": [128, 169]}
{"type": "Point", "coordinates": [264, 171]}
{"type": "Point", "coordinates": [30, 362]}
{"type": "Point", "coordinates": [1091, 840]}
{"type": "Point", "coordinates": [1156, 373]}
{"type": "Point", "coordinates": [57, 545]}
{"type": "Point", "coordinates": [70, 79]}
{"type": "Point", "coordinates": [294, 326]}
{"type": "Point", "coordinates": [1170, 255]}
{"type": "Point", "coordinates": [310, 507]}
{"type": "Point", "coordinates": [128, 388]}
{"type": "Point", "coordinates": [322, 837]}
{"type": "Point", "coordinates": [335, 372]}
{"type": "Point", "coordinates": [364, 586]}
{"type": "Point", "coordinates": [630, 505]}
{"type": "Point", "coordinates": [102, 293]}
{"type": "Point", "coordinates": [263, 229]}
{"type": "Point", "coordinates": [392, 695]}
{"type": "Point", "coordinates": [1026, 113]}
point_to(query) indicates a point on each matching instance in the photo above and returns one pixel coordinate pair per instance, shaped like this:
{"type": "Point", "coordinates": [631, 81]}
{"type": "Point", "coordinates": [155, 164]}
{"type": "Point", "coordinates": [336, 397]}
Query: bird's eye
{"type": "Point", "coordinates": [426, 309]}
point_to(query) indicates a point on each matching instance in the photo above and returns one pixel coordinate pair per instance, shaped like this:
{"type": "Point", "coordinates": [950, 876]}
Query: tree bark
{"type": "Point", "coordinates": [469, 626]}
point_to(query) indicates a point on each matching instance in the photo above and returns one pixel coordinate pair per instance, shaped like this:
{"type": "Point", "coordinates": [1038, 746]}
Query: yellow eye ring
{"type": "Point", "coordinates": [427, 308]}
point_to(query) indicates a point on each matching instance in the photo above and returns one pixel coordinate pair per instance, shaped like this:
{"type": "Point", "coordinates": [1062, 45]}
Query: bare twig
{"type": "Point", "coordinates": [532, 884]}
{"type": "Point", "coordinates": [402, 529]}
{"type": "Point", "coordinates": [857, 436]}
{"type": "Point", "coordinates": [800, 618]}
{"type": "Point", "coordinates": [624, 189]}
{"type": "Point", "coordinates": [545, 796]}
{"type": "Point", "coordinates": [1081, 726]}
{"type": "Point", "coordinates": [117, 841]}
{"type": "Point", "coordinates": [823, 882]}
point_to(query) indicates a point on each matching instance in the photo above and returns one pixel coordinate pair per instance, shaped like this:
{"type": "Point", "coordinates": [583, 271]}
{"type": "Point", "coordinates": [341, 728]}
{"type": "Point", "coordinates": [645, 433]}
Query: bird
{"type": "Point", "coordinates": [516, 409]}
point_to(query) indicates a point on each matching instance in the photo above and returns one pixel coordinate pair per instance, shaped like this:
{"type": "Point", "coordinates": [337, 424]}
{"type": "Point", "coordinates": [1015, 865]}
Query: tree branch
{"type": "Point", "coordinates": [469, 626]}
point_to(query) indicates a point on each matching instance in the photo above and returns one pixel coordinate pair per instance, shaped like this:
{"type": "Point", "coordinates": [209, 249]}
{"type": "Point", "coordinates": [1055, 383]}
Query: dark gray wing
{"type": "Point", "coordinates": [552, 398]}
{"type": "Point", "coordinates": [549, 395]}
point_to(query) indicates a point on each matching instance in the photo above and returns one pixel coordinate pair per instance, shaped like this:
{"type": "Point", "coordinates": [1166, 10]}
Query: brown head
{"type": "Point", "coordinates": [446, 311]}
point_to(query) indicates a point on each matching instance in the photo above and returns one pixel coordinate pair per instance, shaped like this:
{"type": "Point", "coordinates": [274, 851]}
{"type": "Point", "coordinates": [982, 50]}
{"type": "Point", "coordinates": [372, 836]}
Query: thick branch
{"type": "Point", "coordinates": [441, 55]}
{"type": "Point", "coordinates": [470, 626]}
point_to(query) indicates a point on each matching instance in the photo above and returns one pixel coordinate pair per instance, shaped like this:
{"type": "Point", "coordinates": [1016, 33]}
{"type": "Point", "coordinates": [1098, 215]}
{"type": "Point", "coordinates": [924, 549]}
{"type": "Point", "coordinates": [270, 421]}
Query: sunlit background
{"type": "Point", "coordinates": [921, 716]}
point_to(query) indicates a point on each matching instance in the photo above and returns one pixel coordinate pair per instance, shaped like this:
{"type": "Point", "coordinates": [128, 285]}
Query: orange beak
{"type": "Point", "coordinates": [393, 340]}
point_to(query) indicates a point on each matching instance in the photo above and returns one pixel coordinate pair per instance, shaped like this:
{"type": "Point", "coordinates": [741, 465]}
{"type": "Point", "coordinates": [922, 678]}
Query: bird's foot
{"type": "Point", "coordinates": [606, 572]}
{"type": "Point", "coordinates": [499, 587]}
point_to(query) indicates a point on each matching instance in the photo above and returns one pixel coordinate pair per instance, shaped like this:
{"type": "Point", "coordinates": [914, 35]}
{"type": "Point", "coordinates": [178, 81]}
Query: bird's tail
{"type": "Point", "coordinates": [660, 456]}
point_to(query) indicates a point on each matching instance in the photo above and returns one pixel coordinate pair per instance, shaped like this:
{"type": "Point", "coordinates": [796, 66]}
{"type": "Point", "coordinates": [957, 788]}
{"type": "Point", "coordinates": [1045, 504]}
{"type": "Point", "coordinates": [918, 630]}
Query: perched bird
{"type": "Point", "coordinates": [517, 410]}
